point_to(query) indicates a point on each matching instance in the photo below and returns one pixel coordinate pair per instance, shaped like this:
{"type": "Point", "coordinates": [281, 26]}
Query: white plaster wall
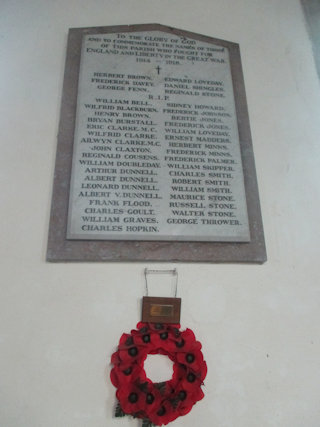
{"type": "Point", "coordinates": [59, 323]}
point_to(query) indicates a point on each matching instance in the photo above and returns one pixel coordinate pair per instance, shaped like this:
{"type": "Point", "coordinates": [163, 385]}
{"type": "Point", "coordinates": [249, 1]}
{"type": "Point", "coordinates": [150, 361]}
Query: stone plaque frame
{"type": "Point", "coordinates": [62, 249]}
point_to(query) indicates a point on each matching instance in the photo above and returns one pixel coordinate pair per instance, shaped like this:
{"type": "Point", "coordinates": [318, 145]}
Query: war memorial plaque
{"type": "Point", "coordinates": [154, 157]}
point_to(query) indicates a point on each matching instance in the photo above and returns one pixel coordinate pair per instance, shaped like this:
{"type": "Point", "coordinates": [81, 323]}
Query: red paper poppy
{"type": "Point", "coordinates": [164, 413]}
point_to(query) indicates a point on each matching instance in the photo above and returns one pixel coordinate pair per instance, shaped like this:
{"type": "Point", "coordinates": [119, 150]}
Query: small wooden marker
{"type": "Point", "coordinates": [161, 310]}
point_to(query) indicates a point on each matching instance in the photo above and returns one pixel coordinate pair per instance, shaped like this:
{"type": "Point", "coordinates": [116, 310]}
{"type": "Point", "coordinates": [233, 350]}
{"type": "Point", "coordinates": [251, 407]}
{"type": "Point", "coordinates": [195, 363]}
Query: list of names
{"type": "Point", "coordinates": [156, 149]}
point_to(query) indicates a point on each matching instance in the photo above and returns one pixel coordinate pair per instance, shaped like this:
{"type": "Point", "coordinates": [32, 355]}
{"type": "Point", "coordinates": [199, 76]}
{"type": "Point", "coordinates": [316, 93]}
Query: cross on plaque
{"type": "Point", "coordinates": [158, 69]}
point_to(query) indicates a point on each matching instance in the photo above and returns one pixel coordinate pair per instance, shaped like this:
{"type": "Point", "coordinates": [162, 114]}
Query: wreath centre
{"type": "Point", "coordinates": [158, 368]}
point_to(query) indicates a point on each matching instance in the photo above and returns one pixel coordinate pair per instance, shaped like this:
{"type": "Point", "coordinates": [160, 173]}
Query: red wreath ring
{"type": "Point", "coordinates": [159, 403]}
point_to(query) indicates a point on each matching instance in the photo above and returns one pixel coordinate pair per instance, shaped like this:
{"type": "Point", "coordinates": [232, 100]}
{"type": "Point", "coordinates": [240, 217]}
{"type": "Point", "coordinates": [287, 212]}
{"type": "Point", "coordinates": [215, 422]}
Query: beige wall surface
{"type": "Point", "coordinates": [259, 325]}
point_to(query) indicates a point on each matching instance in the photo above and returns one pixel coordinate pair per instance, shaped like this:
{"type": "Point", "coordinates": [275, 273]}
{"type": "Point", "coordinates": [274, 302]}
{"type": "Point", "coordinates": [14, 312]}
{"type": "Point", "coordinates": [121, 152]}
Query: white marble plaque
{"type": "Point", "coordinates": [156, 145]}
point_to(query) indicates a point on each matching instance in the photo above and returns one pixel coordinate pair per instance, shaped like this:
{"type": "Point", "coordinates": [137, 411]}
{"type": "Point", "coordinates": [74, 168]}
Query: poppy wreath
{"type": "Point", "coordinates": [157, 403]}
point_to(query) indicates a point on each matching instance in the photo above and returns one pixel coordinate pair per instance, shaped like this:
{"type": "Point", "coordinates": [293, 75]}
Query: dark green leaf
{"type": "Point", "coordinates": [119, 412]}
{"type": "Point", "coordinates": [147, 423]}
{"type": "Point", "coordinates": [161, 387]}
{"type": "Point", "coordinates": [175, 402]}
{"type": "Point", "coordinates": [143, 387]}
